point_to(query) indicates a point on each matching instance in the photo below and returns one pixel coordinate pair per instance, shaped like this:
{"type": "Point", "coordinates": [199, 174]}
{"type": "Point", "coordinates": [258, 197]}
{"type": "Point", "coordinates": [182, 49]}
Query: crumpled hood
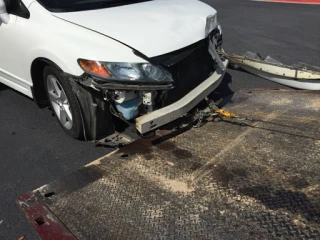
{"type": "Point", "coordinates": [153, 28]}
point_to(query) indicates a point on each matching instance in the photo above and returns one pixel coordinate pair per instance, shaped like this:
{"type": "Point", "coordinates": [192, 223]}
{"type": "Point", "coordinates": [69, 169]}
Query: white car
{"type": "Point", "coordinates": [147, 62]}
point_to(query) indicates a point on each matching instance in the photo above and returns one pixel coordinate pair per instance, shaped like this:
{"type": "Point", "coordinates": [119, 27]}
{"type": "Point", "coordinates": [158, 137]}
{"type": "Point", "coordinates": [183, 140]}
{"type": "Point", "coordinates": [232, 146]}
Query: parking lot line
{"type": "Point", "coordinates": [291, 1]}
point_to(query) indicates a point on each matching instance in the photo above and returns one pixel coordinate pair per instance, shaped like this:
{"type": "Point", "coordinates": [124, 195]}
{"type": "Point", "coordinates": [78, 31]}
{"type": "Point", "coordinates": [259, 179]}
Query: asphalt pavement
{"type": "Point", "coordinates": [35, 151]}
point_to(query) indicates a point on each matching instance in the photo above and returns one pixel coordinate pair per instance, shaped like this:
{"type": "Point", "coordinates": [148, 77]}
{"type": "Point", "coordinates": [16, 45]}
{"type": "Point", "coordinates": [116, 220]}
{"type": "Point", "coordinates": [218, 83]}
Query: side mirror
{"type": "Point", "coordinates": [4, 16]}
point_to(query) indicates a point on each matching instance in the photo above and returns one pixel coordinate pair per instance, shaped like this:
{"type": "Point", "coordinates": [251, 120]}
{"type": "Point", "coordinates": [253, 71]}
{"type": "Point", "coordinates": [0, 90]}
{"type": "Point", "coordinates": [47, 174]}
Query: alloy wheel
{"type": "Point", "coordinates": [59, 102]}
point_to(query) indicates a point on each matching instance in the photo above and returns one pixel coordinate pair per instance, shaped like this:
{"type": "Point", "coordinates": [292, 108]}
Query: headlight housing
{"type": "Point", "coordinates": [126, 72]}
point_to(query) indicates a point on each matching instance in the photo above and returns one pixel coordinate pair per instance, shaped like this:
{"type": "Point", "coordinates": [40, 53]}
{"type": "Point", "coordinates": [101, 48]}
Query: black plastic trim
{"type": "Point", "coordinates": [17, 8]}
{"type": "Point", "coordinates": [114, 86]}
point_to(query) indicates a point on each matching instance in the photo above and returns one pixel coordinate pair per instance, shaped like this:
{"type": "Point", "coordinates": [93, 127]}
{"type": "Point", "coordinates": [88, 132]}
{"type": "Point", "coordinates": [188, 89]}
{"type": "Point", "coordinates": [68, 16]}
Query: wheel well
{"type": "Point", "coordinates": [37, 68]}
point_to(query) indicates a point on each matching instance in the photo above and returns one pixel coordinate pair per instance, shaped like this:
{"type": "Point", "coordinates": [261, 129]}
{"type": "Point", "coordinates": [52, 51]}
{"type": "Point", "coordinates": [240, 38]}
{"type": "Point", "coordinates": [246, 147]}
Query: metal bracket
{"type": "Point", "coordinates": [215, 55]}
{"type": "Point", "coordinates": [115, 140]}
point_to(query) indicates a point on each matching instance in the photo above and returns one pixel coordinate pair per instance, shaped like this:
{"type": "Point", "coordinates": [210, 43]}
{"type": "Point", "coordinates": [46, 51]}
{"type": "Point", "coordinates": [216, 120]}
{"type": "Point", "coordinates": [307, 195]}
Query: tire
{"type": "Point", "coordinates": [63, 102]}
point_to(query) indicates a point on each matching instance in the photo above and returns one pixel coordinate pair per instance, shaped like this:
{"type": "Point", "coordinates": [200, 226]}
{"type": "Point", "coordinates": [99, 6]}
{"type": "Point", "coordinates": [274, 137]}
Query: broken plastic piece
{"type": "Point", "coordinates": [300, 76]}
{"type": "Point", "coordinates": [115, 140]}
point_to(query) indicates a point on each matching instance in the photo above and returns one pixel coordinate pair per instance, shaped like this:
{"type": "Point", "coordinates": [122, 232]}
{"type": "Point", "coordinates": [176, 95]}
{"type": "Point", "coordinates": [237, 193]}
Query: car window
{"type": "Point", "coordinates": [82, 5]}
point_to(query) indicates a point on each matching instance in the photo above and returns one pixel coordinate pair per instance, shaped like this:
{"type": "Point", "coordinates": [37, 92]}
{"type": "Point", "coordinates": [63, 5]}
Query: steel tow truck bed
{"type": "Point", "coordinates": [229, 179]}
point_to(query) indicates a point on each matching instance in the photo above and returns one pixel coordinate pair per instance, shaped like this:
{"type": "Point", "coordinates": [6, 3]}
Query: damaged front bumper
{"type": "Point", "coordinates": [198, 71]}
{"type": "Point", "coordinates": [176, 110]}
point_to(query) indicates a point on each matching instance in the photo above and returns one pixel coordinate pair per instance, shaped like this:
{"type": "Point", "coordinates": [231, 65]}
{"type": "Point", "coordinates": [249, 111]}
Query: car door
{"type": "Point", "coordinates": [12, 49]}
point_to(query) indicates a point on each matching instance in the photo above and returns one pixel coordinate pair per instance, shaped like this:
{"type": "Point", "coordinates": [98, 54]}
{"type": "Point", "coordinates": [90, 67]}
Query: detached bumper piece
{"type": "Point", "coordinates": [177, 109]}
{"type": "Point", "coordinates": [300, 76]}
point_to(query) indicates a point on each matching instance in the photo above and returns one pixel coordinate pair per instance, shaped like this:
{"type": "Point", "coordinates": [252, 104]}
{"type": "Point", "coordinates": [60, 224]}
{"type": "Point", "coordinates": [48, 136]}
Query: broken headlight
{"type": "Point", "coordinates": [128, 72]}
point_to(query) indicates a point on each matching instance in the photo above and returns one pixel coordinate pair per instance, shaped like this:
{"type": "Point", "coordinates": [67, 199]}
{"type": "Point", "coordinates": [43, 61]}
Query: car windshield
{"type": "Point", "coordinates": [82, 5]}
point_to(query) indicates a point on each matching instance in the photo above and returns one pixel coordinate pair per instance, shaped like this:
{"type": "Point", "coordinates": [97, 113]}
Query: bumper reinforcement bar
{"type": "Point", "coordinates": [176, 110]}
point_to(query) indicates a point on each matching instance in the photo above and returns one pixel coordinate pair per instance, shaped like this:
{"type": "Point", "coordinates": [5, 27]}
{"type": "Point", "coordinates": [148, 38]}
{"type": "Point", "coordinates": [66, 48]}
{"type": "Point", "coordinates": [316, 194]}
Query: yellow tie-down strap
{"type": "Point", "coordinates": [224, 113]}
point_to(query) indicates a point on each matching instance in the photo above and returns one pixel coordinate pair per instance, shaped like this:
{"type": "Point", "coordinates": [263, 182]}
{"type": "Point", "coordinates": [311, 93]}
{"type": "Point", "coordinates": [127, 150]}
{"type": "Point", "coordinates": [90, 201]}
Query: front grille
{"type": "Point", "coordinates": [189, 67]}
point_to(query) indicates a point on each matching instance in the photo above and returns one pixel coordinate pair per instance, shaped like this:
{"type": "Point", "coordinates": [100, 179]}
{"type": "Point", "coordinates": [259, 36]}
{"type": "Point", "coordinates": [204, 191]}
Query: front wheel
{"type": "Point", "coordinates": [63, 102]}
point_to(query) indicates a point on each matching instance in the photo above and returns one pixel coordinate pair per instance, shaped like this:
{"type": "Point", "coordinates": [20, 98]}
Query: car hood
{"type": "Point", "coordinates": [153, 28]}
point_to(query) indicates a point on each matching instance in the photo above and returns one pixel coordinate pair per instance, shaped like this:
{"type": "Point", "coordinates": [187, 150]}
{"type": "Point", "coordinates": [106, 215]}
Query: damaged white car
{"type": "Point", "coordinates": [148, 62]}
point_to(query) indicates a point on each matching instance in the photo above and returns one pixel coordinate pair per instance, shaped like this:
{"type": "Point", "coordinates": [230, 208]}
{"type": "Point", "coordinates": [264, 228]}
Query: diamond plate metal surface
{"type": "Point", "coordinates": [226, 180]}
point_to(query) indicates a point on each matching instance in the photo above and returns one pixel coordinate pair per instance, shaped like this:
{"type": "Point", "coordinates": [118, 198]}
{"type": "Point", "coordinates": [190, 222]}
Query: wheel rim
{"type": "Point", "coordinates": [59, 102]}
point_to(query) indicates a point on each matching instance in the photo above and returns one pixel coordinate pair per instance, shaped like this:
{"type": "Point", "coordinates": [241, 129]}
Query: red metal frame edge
{"type": "Point", "coordinates": [47, 225]}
